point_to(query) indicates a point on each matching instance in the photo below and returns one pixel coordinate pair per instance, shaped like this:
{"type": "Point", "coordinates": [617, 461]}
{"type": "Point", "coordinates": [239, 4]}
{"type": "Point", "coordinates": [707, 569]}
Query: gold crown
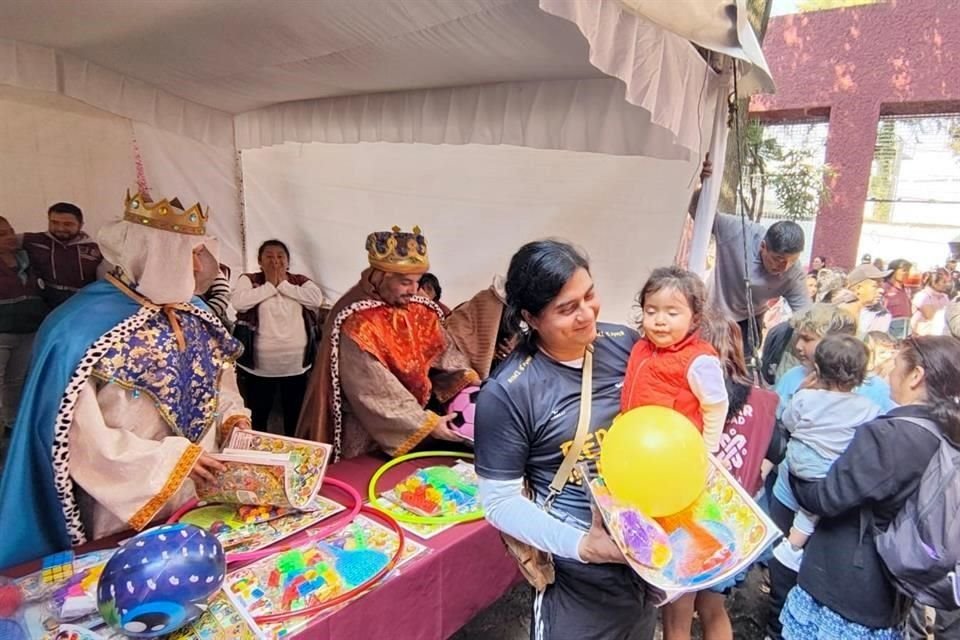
{"type": "Point", "coordinates": [398, 251]}
{"type": "Point", "coordinates": [168, 215]}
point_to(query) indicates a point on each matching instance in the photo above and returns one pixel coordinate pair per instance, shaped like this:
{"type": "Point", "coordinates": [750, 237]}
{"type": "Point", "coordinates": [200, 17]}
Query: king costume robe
{"type": "Point", "coordinates": [119, 403]}
{"type": "Point", "coordinates": [377, 371]}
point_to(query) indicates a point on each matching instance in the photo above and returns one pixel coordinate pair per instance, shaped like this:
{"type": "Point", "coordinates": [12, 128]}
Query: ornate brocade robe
{"type": "Point", "coordinates": [378, 369]}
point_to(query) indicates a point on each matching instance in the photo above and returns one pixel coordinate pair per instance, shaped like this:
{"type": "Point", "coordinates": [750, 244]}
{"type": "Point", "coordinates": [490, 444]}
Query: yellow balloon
{"type": "Point", "coordinates": [654, 459]}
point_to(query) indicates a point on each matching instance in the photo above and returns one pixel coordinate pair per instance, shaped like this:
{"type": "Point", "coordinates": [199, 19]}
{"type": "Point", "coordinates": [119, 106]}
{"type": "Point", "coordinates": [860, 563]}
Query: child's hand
{"type": "Point", "coordinates": [707, 169]}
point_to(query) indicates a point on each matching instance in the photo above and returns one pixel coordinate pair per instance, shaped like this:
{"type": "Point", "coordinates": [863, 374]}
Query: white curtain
{"type": "Point", "coordinates": [195, 172]}
{"type": "Point", "coordinates": [55, 149]}
{"type": "Point", "coordinates": [576, 115]}
{"type": "Point", "coordinates": [476, 205]}
{"type": "Point", "coordinates": [30, 66]}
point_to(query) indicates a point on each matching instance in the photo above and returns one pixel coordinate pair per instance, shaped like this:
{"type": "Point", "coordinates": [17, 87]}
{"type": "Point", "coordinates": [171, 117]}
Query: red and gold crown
{"type": "Point", "coordinates": [168, 215]}
{"type": "Point", "coordinates": [398, 251]}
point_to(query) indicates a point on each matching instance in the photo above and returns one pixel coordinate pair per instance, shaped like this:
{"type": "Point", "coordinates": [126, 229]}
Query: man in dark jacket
{"type": "Point", "coordinates": [64, 257]}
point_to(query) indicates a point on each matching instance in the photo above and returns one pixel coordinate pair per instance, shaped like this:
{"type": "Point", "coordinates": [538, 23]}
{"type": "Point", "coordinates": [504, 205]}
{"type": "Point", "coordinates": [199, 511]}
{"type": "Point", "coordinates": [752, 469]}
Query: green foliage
{"type": "Point", "coordinates": [886, 154]}
{"type": "Point", "coordinates": [793, 175]}
{"type": "Point", "coordinates": [757, 151]}
{"type": "Point", "coordinates": [800, 184]}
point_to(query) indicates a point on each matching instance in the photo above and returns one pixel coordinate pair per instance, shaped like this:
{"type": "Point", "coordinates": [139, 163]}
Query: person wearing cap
{"type": "Point", "coordinates": [930, 300]}
{"type": "Point", "coordinates": [384, 358]}
{"type": "Point", "coordinates": [131, 385]}
{"type": "Point", "coordinates": [864, 281]}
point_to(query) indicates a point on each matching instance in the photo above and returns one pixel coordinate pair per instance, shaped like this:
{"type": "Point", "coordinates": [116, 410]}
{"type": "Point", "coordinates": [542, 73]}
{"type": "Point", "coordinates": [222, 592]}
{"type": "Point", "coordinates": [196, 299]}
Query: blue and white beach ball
{"type": "Point", "coordinates": [158, 580]}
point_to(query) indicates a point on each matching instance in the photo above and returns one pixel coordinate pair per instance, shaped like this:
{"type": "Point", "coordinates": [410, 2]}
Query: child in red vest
{"type": "Point", "coordinates": [671, 366]}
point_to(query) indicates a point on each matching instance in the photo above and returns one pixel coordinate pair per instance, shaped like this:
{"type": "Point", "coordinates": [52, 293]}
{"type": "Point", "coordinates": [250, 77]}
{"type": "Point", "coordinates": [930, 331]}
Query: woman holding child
{"type": "Point", "coordinates": [527, 416]}
{"type": "Point", "coordinates": [844, 590]}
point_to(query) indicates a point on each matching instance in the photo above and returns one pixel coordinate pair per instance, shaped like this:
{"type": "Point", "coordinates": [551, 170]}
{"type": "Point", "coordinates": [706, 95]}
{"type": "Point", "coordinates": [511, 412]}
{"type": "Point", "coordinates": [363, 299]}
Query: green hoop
{"type": "Point", "coordinates": [413, 518]}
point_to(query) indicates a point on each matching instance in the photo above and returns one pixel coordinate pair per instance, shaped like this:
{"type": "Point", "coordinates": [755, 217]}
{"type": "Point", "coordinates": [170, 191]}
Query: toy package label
{"type": "Point", "coordinates": [308, 461]}
{"type": "Point", "coordinates": [71, 601]}
{"type": "Point", "coordinates": [247, 482]}
{"type": "Point", "coordinates": [222, 621]}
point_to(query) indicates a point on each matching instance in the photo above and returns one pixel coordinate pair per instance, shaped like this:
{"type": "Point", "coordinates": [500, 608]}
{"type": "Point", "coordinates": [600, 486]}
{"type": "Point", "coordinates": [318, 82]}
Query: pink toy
{"type": "Point", "coordinates": [464, 404]}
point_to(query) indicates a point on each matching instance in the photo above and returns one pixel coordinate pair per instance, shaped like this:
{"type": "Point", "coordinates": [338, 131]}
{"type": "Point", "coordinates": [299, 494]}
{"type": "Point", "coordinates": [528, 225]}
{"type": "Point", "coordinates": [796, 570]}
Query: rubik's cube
{"type": "Point", "coordinates": [57, 568]}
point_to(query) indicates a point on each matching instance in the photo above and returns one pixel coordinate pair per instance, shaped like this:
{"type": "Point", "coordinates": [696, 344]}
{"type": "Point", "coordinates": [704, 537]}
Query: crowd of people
{"type": "Point", "coordinates": [809, 384]}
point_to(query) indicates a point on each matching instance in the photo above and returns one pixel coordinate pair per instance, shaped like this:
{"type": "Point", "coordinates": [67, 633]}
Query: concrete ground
{"type": "Point", "coordinates": [509, 617]}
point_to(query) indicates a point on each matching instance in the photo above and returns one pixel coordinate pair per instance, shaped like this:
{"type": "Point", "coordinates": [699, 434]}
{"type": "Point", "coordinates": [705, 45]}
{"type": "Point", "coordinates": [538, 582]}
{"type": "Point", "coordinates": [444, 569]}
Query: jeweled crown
{"type": "Point", "coordinates": [168, 215]}
{"type": "Point", "coordinates": [398, 251]}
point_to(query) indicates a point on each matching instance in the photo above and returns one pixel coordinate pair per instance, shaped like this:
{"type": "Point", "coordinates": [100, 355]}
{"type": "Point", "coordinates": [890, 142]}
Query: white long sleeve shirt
{"type": "Point", "coordinates": [705, 377]}
{"type": "Point", "coordinates": [507, 509]}
{"type": "Point", "coordinates": [281, 336]}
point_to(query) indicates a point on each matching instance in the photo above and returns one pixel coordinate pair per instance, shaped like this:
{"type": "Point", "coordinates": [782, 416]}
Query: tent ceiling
{"type": "Point", "coordinates": [239, 55]}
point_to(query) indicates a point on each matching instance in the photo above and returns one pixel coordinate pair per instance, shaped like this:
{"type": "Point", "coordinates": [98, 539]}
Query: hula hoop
{"type": "Point", "coordinates": [297, 539]}
{"type": "Point", "coordinates": [373, 580]}
{"type": "Point", "coordinates": [413, 518]}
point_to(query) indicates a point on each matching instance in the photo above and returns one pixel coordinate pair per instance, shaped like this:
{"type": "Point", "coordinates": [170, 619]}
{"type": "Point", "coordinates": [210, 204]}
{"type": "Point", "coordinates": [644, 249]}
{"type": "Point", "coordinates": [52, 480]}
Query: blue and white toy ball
{"type": "Point", "coordinates": [159, 580]}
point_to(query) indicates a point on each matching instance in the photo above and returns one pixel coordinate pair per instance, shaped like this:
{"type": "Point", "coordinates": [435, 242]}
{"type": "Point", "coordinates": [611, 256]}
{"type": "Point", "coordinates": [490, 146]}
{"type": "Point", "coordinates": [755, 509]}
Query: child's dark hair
{"type": "Point", "coordinates": [841, 361]}
{"type": "Point", "coordinates": [686, 282]}
{"type": "Point", "coordinates": [433, 281]}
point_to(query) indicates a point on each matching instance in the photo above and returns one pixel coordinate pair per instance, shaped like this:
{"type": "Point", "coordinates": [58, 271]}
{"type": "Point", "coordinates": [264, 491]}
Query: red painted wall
{"type": "Point", "coordinates": [898, 57]}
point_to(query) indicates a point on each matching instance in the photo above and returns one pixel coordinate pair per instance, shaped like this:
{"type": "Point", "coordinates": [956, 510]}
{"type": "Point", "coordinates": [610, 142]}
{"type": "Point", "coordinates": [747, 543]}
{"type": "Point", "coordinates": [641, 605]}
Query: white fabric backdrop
{"type": "Point", "coordinates": [195, 172]}
{"type": "Point", "coordinates": [54, 149]}
{"type": "Point", "coordinates": [662, 72]}
{"type": "Point", "coordinates": [476, 204]}
{"type": "Point", "coordinates": [36, 67]}
{"type": "Point", "coordinates": [577, 115]}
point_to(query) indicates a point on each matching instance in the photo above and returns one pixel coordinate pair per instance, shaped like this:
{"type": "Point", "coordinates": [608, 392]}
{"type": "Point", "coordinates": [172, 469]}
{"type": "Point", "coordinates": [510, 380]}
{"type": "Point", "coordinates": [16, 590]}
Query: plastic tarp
{"type": "Point", "coordinates": [186, 66]}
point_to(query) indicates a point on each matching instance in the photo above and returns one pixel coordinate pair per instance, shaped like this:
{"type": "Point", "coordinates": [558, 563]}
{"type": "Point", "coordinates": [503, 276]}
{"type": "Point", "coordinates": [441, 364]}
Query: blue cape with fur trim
{"type": "Point", "coordinates": [33, 523]}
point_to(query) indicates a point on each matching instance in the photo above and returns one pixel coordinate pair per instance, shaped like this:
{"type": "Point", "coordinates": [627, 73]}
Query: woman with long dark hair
{"type": "Point", "coordinates": [527, 416]}
{"type": "Point", "coordinates": [844, 589]}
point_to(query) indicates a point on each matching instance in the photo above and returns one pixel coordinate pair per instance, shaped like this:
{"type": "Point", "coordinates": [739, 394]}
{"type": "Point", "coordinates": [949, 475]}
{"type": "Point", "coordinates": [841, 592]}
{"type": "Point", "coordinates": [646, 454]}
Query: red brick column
{"type": "Point", "coordinates": [850, 144]}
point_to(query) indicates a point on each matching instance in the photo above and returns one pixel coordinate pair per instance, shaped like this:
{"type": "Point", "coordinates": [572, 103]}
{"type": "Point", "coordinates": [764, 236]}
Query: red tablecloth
{"type": "Point", "coordinates": [434, 595]}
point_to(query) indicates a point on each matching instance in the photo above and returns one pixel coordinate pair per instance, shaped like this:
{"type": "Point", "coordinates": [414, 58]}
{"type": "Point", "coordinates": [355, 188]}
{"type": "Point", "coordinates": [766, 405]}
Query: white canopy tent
{"type": "Point", "coordinates": [486, 122]}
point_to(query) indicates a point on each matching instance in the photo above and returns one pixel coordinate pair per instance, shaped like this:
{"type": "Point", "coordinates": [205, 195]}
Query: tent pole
{"type": "Point", "coordinates": [710, 190]}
